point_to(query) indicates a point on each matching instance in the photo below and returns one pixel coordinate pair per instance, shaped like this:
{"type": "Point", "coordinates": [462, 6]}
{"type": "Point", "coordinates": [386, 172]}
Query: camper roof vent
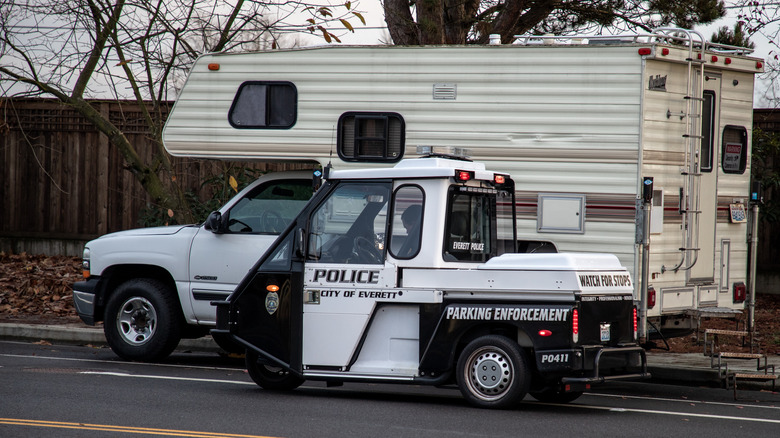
{"type": "Point", "coordinates": [445, 91]}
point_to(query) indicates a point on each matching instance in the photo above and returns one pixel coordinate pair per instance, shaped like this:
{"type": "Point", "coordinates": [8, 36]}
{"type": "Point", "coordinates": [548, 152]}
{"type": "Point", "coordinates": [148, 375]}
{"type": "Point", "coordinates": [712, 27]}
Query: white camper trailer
{"type": "Point", "coordinates": [580, 124]}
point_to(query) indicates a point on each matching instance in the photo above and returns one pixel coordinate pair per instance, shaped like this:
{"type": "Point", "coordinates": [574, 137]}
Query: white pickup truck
{"type": "Point", "coordinates": [153, 286]}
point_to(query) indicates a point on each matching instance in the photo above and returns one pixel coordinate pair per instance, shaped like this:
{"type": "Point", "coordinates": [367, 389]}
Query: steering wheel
{"type": "Point", "coordinates": [364, 249]}
{"type": "Point", "coordinates": [272, 221]}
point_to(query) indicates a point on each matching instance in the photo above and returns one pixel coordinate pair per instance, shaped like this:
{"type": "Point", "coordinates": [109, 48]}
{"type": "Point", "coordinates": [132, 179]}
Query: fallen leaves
{"type": "Point", "coordinates": [37, 285]}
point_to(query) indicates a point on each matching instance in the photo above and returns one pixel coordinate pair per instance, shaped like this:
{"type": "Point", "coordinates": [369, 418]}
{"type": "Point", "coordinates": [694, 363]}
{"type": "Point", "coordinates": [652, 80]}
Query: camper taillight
{"type": "Point", "coordinates": [740, 292]}
{"type": "Point", "coordinates": [650, 297]}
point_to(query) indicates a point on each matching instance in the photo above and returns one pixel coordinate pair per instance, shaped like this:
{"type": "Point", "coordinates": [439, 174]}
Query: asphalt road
{"type": "Point", "coordinates": [75, 391]}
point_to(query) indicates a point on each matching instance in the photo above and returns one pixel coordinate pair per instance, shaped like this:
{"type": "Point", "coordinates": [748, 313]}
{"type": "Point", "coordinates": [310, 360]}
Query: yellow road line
{"type": "Point", "coordinates": [122, 429]}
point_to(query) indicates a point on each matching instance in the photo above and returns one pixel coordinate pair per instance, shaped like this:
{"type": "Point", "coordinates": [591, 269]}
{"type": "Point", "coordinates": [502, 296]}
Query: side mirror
{"type": "Point", "coordinates": [214, 222]}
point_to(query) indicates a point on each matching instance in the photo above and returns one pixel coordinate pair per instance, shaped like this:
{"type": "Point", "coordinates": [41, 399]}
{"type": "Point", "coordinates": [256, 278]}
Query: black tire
{"type": "Point", "coordinates": [492, 372]}
{"type": "Point", "coordinates": [550, 395]}
{"type": "Point", "coordinates": [268, 376]}
{"type": "Point", "coordinates": [142, 320]}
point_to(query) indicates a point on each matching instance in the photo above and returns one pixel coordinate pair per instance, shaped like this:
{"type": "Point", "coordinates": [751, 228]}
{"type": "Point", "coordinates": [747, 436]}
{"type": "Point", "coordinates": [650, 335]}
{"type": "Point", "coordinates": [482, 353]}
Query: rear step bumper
{"type": "Point", "coordinates": [595, 375]}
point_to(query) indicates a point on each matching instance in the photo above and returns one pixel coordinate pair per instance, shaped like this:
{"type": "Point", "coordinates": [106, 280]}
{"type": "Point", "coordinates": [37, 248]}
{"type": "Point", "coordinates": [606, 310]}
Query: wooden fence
{"type": "Point", "coordinates": [61, 180]}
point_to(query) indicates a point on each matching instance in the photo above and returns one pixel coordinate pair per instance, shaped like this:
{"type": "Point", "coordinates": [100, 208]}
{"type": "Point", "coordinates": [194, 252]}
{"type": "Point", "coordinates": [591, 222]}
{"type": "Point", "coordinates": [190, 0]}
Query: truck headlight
{"type": "Point", "coordinates": [85, 263]}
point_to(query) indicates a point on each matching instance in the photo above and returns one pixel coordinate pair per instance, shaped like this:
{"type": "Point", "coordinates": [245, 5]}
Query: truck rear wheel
{"type": "Point", "coordinates": [141, 320]}
{"type": "Point", "coordinates": [268, 376]}
{"type": "Point", "coordinates": [492, 372]}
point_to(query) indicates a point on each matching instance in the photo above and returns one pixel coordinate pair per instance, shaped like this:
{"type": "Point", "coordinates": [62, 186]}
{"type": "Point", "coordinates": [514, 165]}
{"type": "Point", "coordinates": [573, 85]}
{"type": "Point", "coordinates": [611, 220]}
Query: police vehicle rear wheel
{"type": "Point", "coordinates": [268, 376]}
{"type": "Point", "coordinates": [492, 372]}
{"type": "Point", "coordinates": [556, 396]}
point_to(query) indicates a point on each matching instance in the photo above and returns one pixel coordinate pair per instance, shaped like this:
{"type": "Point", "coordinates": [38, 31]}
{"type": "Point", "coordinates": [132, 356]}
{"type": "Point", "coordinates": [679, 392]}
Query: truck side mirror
{"type": "Point", "coordinates": [214, 222]}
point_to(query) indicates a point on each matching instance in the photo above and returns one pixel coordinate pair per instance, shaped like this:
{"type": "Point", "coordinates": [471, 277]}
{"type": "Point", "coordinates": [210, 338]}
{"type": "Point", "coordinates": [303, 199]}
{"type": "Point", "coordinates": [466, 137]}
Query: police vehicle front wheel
{"type": "Point", "coordinates": [268, 376]}
{"type": "Point", "coordinates": [492, 372]}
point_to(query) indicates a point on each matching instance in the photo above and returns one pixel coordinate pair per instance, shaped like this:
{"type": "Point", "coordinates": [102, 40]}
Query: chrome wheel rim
{"type": "Point", "coordinates": [137, 321]}
{"type": "Point", "coordinates": [489, 373]}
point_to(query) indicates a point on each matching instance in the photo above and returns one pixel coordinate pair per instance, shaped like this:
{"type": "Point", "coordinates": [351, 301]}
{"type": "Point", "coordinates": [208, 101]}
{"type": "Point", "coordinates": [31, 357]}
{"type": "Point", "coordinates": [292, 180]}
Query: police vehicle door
{"type": "Point", "coordinates": [345, 274]}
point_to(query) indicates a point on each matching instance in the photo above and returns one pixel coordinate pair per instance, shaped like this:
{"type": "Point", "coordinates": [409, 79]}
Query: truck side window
{"type": "Point", "coordinates": [471, 222]}
{"type": "Point", "coordinates": [269, 208]}
{"type": "Point", "coordinates": [350, 225]}
{"type": "Point", "coordinates": [407, 222]}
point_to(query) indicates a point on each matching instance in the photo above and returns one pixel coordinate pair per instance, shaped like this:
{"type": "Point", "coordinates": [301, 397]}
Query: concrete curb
{"type": "Point", "coordinates": [82, 335]}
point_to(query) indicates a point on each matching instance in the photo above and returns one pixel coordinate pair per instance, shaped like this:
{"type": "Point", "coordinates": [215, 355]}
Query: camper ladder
{"type": "Point", "coordinates": [692, 140]}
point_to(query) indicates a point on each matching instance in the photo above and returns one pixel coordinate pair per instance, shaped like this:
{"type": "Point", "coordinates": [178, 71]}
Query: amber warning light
{"type": "Point", "coordinates": [213, 66]}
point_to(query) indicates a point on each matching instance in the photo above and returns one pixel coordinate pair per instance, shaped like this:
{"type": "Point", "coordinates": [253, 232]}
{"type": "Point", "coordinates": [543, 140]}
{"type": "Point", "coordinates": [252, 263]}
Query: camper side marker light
{"type": "Point", "coordinates": [499, 179]}
{"type": "Point", "coordinates": [714, 58]}
{"type": "Point", "coordinates": [727, 61]}
{"type": "Point", "coordinates": [740, 292]}
{"type": "Point", "coordinates": [644, 51]}
{"type": "Point", "coordinates": [664, 51]}
{"type": "Point", "coordinates": [214, 66]}
{"type": "Point", "coordinates": [759, 64]}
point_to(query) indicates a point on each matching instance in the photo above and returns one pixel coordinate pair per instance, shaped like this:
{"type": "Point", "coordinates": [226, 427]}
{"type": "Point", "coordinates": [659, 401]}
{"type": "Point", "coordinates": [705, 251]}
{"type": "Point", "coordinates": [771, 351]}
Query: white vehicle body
{"type": "Point", "coordinates": [577, 125]}
{"type": "Point", "coordinates": [338, 297]}
{"type": "Point", "coordinates": [194, 262]}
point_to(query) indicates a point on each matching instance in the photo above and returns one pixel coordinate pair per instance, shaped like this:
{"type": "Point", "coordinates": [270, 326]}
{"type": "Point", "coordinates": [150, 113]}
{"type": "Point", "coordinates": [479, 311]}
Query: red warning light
{"type": "Point", "coordinates": [463, 175]}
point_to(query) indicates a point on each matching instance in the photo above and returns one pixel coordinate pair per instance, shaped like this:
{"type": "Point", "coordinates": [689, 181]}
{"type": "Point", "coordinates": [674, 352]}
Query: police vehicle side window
{"type": "Point", "coordinates": [471, 222]}
{"type": "Point", "coordinates": [350, 225]}
{"type": "Point", "coordinates": [406, 231]}
{"type": "Point", "coordinates": [269, 208]}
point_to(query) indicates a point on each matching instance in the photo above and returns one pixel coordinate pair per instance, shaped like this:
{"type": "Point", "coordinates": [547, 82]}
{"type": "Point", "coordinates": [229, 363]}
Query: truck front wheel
{"type": "Point", "coordinates": [492, 372]}
{"type": "Point", "coordinates": [268, 376]}
{"type": "Point", "coordinates": [141, 320]}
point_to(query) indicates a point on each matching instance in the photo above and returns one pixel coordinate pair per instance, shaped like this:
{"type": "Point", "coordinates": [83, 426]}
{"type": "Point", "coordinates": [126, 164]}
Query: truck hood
{"type": "Point", "coordinates": [555, 262]}
{"type": "Point", "coordinates": [153, 231]}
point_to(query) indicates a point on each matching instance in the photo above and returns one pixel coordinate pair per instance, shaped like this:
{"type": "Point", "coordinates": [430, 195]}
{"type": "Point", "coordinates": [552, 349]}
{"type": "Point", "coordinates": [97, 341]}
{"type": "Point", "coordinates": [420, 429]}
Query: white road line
{"type": "Point", "coordinates": [151, 376]}
{"type": "Point", "coordinates": [163, 365]}
{"type": "Point", "coordinates": [677, 400]}
{"type": "Point", "coordinates": [678, 414]}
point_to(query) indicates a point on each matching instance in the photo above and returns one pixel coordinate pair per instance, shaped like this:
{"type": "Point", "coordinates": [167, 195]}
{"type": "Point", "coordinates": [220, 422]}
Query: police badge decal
{"type": "Point", "coordinates": [271, 302]}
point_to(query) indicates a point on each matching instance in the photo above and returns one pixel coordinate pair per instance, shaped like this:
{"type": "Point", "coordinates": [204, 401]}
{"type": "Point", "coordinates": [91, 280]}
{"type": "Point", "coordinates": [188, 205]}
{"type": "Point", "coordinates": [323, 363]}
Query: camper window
{"type": "Point", "coordinates": [707, 128]}
{"type": "Point", "coordinates": [264, 105]}
{"type": "Point", "coordinates": [370, 137]}
{"type": "Point", "coordinates": [734, 151]}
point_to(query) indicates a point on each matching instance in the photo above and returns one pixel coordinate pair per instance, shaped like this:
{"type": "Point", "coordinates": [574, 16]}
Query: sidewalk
{"type": "Point", "coordinates": [671, 368]}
